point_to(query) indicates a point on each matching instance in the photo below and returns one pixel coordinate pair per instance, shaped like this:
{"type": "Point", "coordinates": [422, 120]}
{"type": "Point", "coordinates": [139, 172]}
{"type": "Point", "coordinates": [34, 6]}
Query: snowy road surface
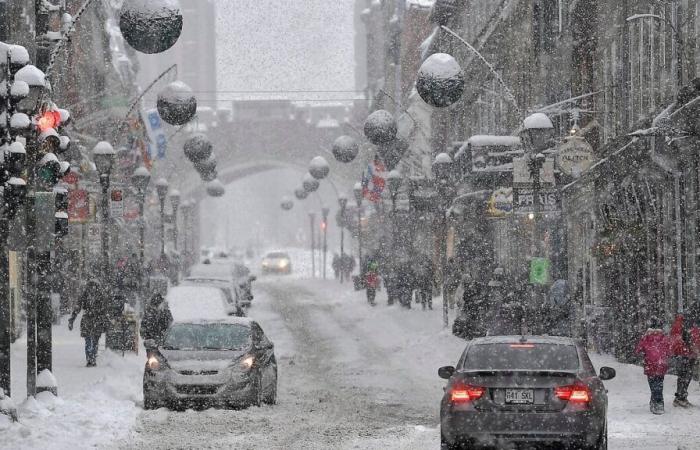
{"type": "Point", "coordinates": [350, 377]}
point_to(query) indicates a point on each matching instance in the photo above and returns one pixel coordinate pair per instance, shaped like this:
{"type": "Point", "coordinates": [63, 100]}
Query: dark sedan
{"type": "Point", "coordinates": [511, 391]}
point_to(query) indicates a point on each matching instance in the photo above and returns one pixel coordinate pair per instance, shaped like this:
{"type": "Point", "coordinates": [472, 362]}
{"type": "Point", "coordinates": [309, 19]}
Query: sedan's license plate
{"type": "Point", "coordinates": [520, 396]}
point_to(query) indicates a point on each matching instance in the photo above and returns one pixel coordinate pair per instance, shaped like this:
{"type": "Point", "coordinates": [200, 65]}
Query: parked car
{"type": "Point", "coordinates": [186, 302]}
{"type": "Point", "coordinates": [524, 390]}
{"type": "Point", "coordinates": [233, 306]}
{"type": "Point", "coordinates": [277, 262]}
{"type": "Point", "coordinates": [203, 362]}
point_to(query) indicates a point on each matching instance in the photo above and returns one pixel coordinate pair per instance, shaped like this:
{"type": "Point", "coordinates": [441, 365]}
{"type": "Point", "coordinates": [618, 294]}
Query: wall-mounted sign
{"type": "Point", "coordinates": [575, 156]}
{"type": "Point", "coordinates": [500, 204]}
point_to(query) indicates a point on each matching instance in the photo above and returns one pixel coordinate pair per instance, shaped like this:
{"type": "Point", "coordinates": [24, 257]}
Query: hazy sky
{"type": "Point", "coordinates": [285, 44]}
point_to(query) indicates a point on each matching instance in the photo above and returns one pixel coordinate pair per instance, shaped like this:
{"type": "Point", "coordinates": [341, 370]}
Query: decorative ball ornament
{"type": "Point", "coordinates": [176, 103]}
{"type": "Point", "coordinates": [206, 167]}
{"type": "Point", "coordinates": [319, 168]}
{"type": "Point", "coordinates": [301, 194]}
{"type": "Point", "coordinates": [310, 184]}
{"type": "Point", "coordinates": [380, 127]}
{"type": "Point", "coordinates": [287, 203]}
{"type": "Point", "coordinates": [392, 152]}
{"type": "Point", "coordinates": [209, 176]}
{"type": "Point", "coordinates": [215, 188]}
{"type": "Point", "coordinates": [345, 149]}
{"type": "Point", "coordinates": [198, 148]}
{"type": "Point", "coordinates": [440, 80]}
{"type": "Point", "coordinates": [151, 26]}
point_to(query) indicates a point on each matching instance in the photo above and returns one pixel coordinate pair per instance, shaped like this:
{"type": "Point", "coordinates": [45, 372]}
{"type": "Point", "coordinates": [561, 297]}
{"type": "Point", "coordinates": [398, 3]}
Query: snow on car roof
{"type": "Point", "coordinates": [229, 320]}
{"type": "Point", "coordinates": [196, 303]}
{"type": "Point", "coordinates": [518, 338]}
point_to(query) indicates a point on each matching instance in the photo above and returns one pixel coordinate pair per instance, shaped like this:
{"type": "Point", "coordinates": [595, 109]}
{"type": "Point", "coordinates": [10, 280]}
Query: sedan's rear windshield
{"type": "Point", "coordinates": [555, 357]}
{"type": "Point", "coordinates": [189, 336]}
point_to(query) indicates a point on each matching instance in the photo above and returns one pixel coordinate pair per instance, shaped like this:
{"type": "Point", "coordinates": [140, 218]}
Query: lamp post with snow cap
{"type": "Point", "coordinates": [343, 203]}
{"type": "Point", "coordinates": [175, 203]}
{"type": "Point", "coordinates": [140, 179]}
{"type": "Point", "coordinates": [103, 156]}
{"type": "Point", "coordinates": [358, 191]}
{"type": "Point", "coordinates": [442, 166]}
{"type": "Point", "coordinates": [162, 187]}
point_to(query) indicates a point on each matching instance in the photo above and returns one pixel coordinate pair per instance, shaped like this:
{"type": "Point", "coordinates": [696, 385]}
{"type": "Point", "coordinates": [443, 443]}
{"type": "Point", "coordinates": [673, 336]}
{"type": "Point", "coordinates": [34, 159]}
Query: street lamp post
{"type": "Point", "coordinates": [175, 203]}
{"type": "Point", "coordinates": [343, 203]}
{"type": "Point", "coordinates": [103, 156]}
{"type": "Point", "coordinates": [140, 179]}
{"type": "Point", "coordinates": [312, 220]}
{"type": "Point", "coordinates": [359, 193]}
{"type": "Point", "coordinates": [325, 212]}
{"type": "Point", "coordinates": [442, 171]}
{"type": "Point", "coordinates": [162, 187]}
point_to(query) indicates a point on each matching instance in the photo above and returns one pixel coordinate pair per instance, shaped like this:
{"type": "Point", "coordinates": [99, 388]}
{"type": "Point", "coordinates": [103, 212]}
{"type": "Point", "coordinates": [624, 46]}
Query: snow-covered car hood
{"type": "Point", "coordinates": [198, 360]}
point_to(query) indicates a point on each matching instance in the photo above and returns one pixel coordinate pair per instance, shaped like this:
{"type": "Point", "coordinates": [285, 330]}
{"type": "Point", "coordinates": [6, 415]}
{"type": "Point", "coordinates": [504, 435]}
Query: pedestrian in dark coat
{"type": "Point", "coordinates": [156, 320]}
{"type": "Point", "coordinates": [452, 280]}
{"type": "Point", "coordinates": [94, 321]}
{"type": "Point", "coordinates": [685, 346]}
{"type": "Point", "coordinates": [655, 346]}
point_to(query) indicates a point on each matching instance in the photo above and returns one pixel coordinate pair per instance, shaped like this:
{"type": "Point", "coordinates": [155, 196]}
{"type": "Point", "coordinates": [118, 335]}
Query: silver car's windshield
{"type": "Point", "coordinates": [518, 356]}
{"type": "Point", "coordinates": [191, 336]}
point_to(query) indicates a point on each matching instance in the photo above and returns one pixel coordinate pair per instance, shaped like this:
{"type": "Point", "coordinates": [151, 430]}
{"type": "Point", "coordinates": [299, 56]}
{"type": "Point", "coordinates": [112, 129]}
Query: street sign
{"type": "Point", "coordinates": [539, 271]}
{"type": "Point", "coordinates": [94, 237]}
{"type": "Point", "coordinates": [524, 200]}
{"type": "Point", "coordinates": [78, 206]}
{"type": "Point", "coordinates": [116, 204]}
{"type": "Point", "coordinates": [522, 175]}
{"type": "Point", "coordinates": [575, 156]}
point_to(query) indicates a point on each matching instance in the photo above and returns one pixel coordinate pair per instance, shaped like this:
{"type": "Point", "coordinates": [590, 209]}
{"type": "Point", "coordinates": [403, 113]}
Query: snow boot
{"type": "Point", "coordinates": [683, 403]}
{"type": "Point", "coordinates": [656, 408]}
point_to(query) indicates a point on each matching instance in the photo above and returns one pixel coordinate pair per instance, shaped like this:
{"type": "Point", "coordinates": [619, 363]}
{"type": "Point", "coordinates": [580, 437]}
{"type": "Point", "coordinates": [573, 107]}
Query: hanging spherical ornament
{"type": "Point", "coordinates": [209, 176]}
{"type": "Point", "coordinates": [287, 203]}
{"type": "Point", "coordinates": [151, 26]}
{"type": "Point", "coordinates": [176, 103]}
{"type": "Point", "coordinates": [300, 194]}
{"type": "Point", "coordinates": [215, 188]}
{"type": "Point", "coordinates": [319, 168]}
{"type": "Point", "coordinates": [345, 149]}
{"type": "Point", "coordinates": [440, 80]}
{"type": "Point", "coordinates": [310, 184]}
{"type": "Point", "coordinates": [380, 127]}
{"type": "Point", "coordinates": [198, 148]}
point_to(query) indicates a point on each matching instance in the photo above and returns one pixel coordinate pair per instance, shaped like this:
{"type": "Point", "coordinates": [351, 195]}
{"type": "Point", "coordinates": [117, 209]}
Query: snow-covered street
{"type": "Point", "coordinates": [351, 377]}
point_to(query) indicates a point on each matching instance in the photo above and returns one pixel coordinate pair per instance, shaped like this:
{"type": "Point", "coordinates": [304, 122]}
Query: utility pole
{"type": "Point", "coordinates": [325, 212]}
{"type": "Point", "coordinates": [312, 219]}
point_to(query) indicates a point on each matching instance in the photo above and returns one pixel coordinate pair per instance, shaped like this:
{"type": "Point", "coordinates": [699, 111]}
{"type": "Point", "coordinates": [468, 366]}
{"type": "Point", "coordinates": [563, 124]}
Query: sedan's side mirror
{"type": "Point", "coordinates": [446, 372]}
{"type": "Point", "coordinates": [607, 373]}
{"type": "Point", "coordinates": [150, 344]}
{"type": "Point", "coordinates": [253, 278]}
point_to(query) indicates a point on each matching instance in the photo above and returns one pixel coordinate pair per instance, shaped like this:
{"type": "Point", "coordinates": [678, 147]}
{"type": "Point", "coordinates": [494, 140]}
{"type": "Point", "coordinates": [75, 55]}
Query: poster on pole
{"type": "Point", "coordinates": [116, 204]}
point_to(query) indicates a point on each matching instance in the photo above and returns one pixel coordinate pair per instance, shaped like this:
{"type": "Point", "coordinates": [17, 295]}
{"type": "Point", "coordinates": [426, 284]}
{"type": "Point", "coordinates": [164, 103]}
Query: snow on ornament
{"type": "Point", "coordinates": [309, 183]}
{"type": "Point", "coordinates": [177, 104]}
{"type": "Point", "coordinates": [392, 152]}
{"type": "Point", "coordinates": [300, 194]}
{"type": "Point", "coordinates": [345, 149]}
{"type": "Point", "coordinates": [209, 176]}
{"type": "Point", "coordinates": [198, 148]}
{"type": "Point", "coordinates": [151, 26]}
{"type": "Point", "coordinates": [319, 168]}
{"type": "Point", "coordinates": [206, 166]}
{"type": "Point", "coordinates": [215, 188]}
{"type": "Point", "coordinates": [380, 127]}
{"type": "Point", "coordinates": [440, 80]}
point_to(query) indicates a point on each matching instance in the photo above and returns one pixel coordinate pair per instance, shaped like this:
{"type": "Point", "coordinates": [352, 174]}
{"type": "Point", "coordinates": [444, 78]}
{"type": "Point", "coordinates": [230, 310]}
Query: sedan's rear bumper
{"type": "Point", "coordinates": [561, 429]}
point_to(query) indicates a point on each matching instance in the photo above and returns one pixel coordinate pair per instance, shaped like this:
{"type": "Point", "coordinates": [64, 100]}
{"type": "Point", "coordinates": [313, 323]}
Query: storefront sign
{"type": "Point", "coordinates": [524, 200]}
{"type": "Point", "coordinates": [575, 156]}
{"type": "Point", "coordinates": [500, 204]}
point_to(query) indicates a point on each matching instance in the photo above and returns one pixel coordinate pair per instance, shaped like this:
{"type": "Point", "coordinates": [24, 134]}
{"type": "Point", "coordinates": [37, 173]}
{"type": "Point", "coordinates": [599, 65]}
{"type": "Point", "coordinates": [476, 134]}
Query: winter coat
{"type": "Point", "coordinates": [685, 342]}
{"type": "Point", "coordinates": [95, 315]}
{"type": "Point", "coordinates": [656, 348]}
{"type": "Point", "coordinates": [156, 321]}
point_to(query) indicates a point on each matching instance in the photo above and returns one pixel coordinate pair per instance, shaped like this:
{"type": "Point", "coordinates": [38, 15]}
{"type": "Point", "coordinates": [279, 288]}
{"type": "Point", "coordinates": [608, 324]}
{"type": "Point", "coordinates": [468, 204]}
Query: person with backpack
{"type": "Point", "coordinates": [95, 318]}
{"type": "Point", "coordinates": [655, 346]}
{"type": "Point", "coordinates": [156, 319]}
{"type": "Point", "coordinates": [685, 346]}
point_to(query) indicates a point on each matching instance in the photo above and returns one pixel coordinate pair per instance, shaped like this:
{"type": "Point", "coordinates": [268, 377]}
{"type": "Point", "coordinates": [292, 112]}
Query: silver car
{"type": "Point", "coordinates": [512, 391]}
{"type": "Point", "coordinates": [228, 362]}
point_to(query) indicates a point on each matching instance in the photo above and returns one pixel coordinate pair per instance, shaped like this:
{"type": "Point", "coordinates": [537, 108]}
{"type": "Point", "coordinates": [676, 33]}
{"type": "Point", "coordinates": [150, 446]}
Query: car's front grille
{"type": "Point", "coordinates": [197, 389]}
{"type": "Point", "coordinates": [198, 372]}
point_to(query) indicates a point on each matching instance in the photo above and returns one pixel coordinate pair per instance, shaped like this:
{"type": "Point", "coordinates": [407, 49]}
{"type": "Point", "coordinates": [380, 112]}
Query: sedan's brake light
{"type": "Point", "coordinates": [575, 393]}
{"type": "Point", "coordinates": [464, 393]}
{"type": "Point", "coordinates": [522, 345]}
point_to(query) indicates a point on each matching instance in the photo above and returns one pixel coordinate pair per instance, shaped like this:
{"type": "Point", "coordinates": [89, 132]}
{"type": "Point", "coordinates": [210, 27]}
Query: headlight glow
{"type": "Point", "coordinates": [247, 362]}
{"type": "Point", "coordinates": [153, 363]}
{"type": "Point", "coordinates": [284, 263]}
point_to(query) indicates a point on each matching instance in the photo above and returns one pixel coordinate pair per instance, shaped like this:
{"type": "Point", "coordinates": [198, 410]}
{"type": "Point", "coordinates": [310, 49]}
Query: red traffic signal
{"type": "Point", "coordinates": [48, 120]}
{"type": "Point", "coordinates": [323, 226]}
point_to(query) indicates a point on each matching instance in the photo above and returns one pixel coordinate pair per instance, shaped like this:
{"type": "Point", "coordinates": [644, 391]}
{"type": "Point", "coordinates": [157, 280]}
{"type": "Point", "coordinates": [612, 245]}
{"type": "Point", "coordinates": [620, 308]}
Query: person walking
{"type": "Point", "coordinates": [336, 265]}
{"type": "Point", "coordinates": [425, 277]}
{"type": "Point", "coordinates": [156, 319]}
{"type": "Point", "coordinates": [685, 346]}
{"type": "Point", "coordinates": [452, 279]}
{"type": "Point", "coordinates": [94, 321]}
{"type": "Point", "coordinates": [655, 346]}
{"type": "Point", "coordinates": [371, 280]}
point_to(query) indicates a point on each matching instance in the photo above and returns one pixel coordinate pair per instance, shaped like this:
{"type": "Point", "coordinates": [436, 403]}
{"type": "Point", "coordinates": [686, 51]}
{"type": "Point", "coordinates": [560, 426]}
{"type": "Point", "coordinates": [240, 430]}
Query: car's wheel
{"type": "Point", "coordinates": [603, 440]}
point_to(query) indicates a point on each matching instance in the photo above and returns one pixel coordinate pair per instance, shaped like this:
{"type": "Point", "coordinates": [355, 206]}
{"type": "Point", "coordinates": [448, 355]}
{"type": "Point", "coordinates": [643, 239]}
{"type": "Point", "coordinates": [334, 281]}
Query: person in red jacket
{"type": "Point", "coordinates": [685, 346]}
{"type": "Point", "coordinates": [656, 348]}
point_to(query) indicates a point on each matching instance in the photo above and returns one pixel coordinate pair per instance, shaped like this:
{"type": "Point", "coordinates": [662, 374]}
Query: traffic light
{"type": "Point", "coordinates": [323, 225]}
{"type": "Point", "coordinates": [61, 211]}
{"type": "Point", "coordinates": [48, 120]}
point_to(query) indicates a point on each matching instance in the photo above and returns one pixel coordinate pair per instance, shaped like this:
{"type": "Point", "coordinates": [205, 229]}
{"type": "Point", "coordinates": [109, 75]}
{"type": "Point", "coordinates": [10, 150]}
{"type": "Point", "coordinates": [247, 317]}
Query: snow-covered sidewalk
{"type": "Point", "coordinates": [95, 406]}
